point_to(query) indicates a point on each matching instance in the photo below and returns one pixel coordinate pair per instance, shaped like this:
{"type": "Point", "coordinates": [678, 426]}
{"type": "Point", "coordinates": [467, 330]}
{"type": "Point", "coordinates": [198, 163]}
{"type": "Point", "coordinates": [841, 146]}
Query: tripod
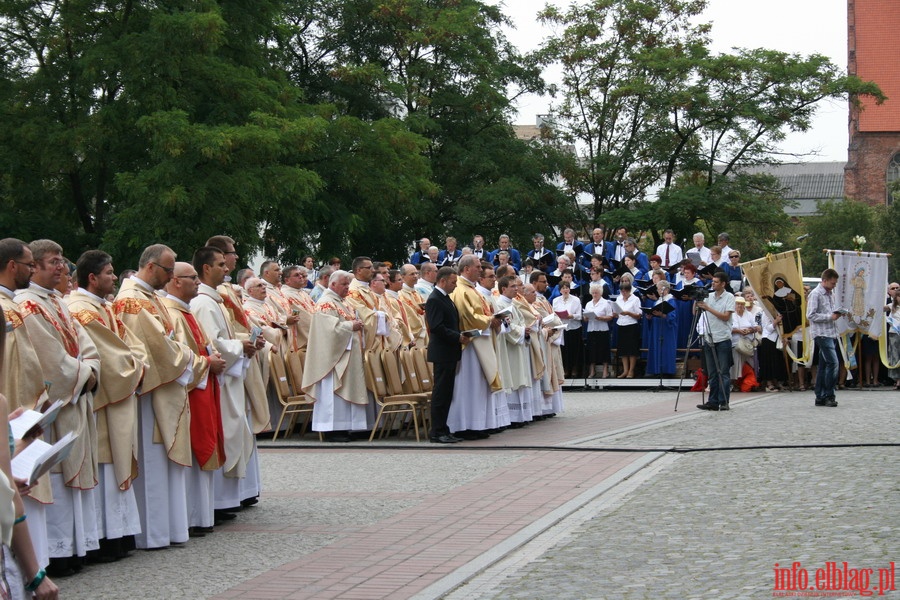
{"type": "Point", "coordinates": [715, 358]}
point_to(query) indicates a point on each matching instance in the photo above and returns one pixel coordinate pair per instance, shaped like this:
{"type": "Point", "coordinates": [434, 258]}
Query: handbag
{"type": "Point", "coordinates": [745, 347]}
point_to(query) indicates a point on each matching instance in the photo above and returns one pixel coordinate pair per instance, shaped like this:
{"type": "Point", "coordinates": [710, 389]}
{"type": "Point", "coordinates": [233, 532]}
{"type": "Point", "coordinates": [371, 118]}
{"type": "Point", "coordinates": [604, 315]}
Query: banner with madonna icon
{"type": "Point", "coordinates": [777, 281]}
{"type": "Point", "coordinates": [861, 290]}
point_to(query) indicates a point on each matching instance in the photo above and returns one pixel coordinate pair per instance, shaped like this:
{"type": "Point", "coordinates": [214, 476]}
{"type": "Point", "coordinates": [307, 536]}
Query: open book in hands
{"type": "Point", "coordinates": [30, 419]}
{"type": "Point", "coordinates": [39, 457]}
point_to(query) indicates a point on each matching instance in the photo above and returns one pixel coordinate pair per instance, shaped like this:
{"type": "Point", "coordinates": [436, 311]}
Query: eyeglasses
{"type": "Point", "coordinates": [733, 256]}
{"type": "Point", "coordinates": [168, 270]}
{"type": "Point", "coordinates": [194, 277]}
{"type": "Point", "coordinates": [31, 265]}
{"type": "Point", "coordinates": [56, 262]}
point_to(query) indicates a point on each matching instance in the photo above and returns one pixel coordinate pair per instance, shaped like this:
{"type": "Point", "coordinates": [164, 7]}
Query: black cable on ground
{"type": "Point", "coordinates": [463, 448]}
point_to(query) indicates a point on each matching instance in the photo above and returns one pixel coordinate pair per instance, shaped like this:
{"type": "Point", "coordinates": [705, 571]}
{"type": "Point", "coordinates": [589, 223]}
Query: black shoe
{"type": "Point", "coordinates": [442, 439]}
{"type": "Point", "coordinates": [339, 437]}
{"type": "Point", "coordinates": [194, 533]}
{"type": "Point", "coordinates": [224, 515]}
{"type": "Point", "coordinates": [203, 529]}
{"type": "Point", "coordinates": [249, 501]}
{"type": "Point", "coordinates": [706, 406]}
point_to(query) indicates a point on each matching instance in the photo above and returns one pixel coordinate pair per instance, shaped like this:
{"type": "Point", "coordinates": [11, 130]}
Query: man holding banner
{"type": "Point", "coordinates": [821, 313]}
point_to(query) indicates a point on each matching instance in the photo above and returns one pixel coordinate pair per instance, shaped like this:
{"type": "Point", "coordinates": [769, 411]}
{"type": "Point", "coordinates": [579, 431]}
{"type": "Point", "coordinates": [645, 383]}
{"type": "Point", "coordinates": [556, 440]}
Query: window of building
{"type": "Point", "coordinates": [893, 177]}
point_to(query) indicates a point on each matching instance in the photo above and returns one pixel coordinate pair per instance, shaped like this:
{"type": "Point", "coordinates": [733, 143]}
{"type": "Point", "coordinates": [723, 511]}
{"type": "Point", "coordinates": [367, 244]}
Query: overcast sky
{"type": "Point", "coordinates": [803, 26]}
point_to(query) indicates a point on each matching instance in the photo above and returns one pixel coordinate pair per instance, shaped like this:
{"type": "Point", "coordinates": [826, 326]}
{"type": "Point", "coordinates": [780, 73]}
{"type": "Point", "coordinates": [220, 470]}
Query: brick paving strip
{"type": "Point", "coordinates": [428, 549]}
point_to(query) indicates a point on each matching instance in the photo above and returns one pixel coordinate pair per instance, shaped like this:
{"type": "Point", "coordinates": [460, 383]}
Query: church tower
{"type": "Point", "coordinates": [874, 55]}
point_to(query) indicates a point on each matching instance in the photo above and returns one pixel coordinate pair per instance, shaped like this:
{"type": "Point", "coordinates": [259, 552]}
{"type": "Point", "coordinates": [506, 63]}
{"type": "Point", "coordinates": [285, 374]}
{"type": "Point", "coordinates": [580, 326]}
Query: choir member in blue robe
{"type": "Point", "coordinates": [662, 343]}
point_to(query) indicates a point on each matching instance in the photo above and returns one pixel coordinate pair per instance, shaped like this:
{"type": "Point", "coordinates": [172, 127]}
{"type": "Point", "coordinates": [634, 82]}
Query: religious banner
{"type": "Point", "coordinates": [777, 280]}
{"type": "Point", "coordinates": [861, 290]}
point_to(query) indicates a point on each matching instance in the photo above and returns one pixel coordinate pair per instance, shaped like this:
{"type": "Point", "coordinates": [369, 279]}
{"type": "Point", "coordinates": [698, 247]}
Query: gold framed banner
{"type": "Point", "coordinates": [777, 281]}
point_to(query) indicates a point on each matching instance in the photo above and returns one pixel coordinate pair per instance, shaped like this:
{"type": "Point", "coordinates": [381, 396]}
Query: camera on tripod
{"type": "Point", "coordinates": [695, 292]}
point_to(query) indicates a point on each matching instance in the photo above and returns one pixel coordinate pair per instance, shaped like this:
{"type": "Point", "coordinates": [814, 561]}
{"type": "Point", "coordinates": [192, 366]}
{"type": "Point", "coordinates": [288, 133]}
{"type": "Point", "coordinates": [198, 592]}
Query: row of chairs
{"type": "Point", "coordinates": [400, 381]}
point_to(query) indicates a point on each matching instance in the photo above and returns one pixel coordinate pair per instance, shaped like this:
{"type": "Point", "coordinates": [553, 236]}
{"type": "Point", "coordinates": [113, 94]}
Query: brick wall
{"type": "Point", "coordinates": [873, 54]}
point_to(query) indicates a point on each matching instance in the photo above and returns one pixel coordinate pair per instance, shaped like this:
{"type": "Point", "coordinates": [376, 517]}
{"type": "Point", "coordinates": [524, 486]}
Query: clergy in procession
{"type": "Point", "coordinates": [285, 319]}
{"type": "Point", "coordinates": [333, 374]}
{"type": "Point", "coordinates": [301, 303]}
{"type": "Point", "coordinates": [164, 453]}
{"type": "Point", "coordinates": [207, 438]}
{"type": "Point", "coordinates": [554, 374]}
{"type": "Point", "coordinates": [364, 302]}
{"type": "Point", "coordinates": [209, 308]}
{"type": "Point", "coordinates": [71, 365]}
{"type": "Point", "coordinates": [230, 293]}
{"type": "Point", "coordinates": [413, 305]}
{"type": "Point", "coordinates": [123, 357]}
{"type": "Point", "coordinates": [478, 377]}
{"type": "Point", "coordinates": [262, 315]}
{"type": "Point", "coordinates": [391, 337]}
{"type": "Point", "coordinates": [525, 302]}
{"type": "Point", "coordinates": [397, 309]}
{"type": "Point", "coordinates": [513, 354]}
{"type": "Point", "coordinates": [497, 416]}
{"type": "Point", "coordinates": [23, 382]}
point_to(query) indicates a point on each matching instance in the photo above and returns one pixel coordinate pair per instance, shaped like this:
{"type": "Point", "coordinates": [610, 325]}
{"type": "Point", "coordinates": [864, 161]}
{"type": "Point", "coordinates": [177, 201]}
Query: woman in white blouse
{"type": "Point", "coordinates": [568, 308]}
{"type": "Point", "coordinates": [743, 326]}
{"type": "Point", "coordinates": [597, 314]}
{"type": "Point", "coordinates": [629, 329]}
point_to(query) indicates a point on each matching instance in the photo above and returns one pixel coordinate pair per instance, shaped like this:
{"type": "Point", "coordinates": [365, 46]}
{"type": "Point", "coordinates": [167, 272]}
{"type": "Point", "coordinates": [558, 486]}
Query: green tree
{"type": "Point", "coordinates": [445, 69]}
{"type": "Point", "coordinates": [651, 107]}
{"type": "Point", "coordinates": [128, 123]}
{"type": "Point", "coordinates": [833, 228]}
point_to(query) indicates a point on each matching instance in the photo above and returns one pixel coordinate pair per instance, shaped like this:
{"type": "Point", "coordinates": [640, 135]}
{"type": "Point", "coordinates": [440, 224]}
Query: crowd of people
{"type": "Point", "coordinates": [163, 371]}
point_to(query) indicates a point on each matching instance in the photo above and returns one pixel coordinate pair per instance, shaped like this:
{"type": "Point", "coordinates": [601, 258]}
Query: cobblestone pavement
{"type": "Point", "coordinates": [714, 524]}
{"type": "Point", "coordinates": [505, 518]}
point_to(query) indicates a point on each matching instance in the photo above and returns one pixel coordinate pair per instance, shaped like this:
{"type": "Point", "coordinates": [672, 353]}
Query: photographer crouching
{"type": "Point", "coordinates": [717, 308]}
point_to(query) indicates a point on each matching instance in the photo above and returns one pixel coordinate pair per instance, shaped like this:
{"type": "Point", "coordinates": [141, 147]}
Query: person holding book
{"type": "Point", "coordinates": [597, 314]}
{"type": "Point", "coordinates": [23, 571]}
{"type": "Point", "coordinates": [629, 312]}
{"type": "Point", "coordinates": [663, 333]}
{"type": "Point", "coordinates": [568, 308]}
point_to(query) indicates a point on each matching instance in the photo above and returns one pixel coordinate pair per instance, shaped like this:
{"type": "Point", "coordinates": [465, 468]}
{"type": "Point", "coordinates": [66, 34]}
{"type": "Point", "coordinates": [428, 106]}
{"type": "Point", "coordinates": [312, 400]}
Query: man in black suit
{"type": "Point", "coordinates": [444, 351]}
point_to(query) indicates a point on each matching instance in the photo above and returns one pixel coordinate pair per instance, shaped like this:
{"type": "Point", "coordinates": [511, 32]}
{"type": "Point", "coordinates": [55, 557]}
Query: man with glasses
{"type": "Point", "coordinates": [164, 415]}
{"type": "Point", "coordinates": [301, 304]}
{"type": "Point", "coordinates": [362, 299]}
{"type": "Point", "coordinates": [71, 365]}
{"type": "Point", "coordinates": [22, 382]}
{"type": "Point", "coordinates": [207, 438]}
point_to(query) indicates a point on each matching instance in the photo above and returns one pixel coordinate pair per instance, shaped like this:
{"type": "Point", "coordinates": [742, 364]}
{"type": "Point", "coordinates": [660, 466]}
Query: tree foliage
{"type": "Point", "coordinates": [656, 112]}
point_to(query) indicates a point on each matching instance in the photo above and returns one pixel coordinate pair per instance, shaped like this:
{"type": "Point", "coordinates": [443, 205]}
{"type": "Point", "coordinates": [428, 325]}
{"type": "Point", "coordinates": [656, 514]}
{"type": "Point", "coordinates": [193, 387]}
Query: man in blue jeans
{"type": "Point", "coordinates": [820, 312]}
{"type": "Point", "coordinates": [717, 342]}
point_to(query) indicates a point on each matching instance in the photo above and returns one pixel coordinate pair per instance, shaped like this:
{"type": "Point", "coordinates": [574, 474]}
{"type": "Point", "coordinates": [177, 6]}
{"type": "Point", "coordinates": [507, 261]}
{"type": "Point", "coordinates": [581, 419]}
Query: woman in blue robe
{"type": "Point", "coordinates": [662, 343]}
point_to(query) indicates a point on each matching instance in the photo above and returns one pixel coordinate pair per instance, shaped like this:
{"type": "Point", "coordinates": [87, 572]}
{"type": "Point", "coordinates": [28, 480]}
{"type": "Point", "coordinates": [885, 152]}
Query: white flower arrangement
{"type": "Point", "coordinates": [773, 246]}
{"type": "Point", "coordinates": [858, 242]}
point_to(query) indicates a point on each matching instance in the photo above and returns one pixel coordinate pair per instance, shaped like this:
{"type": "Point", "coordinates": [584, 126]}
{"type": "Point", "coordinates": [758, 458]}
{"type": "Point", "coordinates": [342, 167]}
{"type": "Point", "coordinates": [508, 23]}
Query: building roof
{"type": "Point", "coordinates": [807, 183]}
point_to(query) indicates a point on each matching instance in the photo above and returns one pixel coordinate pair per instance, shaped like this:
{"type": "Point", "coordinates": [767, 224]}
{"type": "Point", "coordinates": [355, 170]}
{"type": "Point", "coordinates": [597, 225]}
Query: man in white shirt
{"type": "Point", "coordinates": [670, 252]}
{"type": "Point", "coordinates": [701, 249]}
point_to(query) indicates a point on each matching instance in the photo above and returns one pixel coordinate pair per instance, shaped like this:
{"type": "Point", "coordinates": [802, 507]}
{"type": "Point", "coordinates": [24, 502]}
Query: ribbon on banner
{"type": "Point", "coordinates": [777, 281]}
{"type": "Point", "coordinates": [861, 289]}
